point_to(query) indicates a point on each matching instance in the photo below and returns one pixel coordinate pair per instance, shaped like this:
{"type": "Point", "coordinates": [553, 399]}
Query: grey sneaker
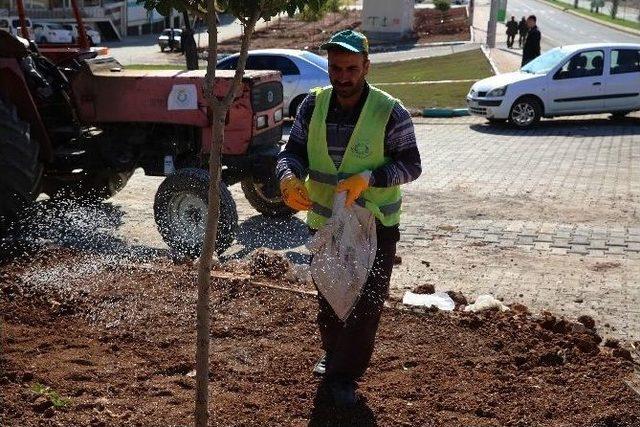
{"type": "Point", "coordinates": [321, 366]}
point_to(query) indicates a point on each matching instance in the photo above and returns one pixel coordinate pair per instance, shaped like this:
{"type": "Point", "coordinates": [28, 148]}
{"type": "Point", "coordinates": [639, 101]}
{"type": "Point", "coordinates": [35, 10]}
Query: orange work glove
{"type": "Point", "coordinates": [354, 186]}
{"type": "Point", "coordinates": [295, 194]}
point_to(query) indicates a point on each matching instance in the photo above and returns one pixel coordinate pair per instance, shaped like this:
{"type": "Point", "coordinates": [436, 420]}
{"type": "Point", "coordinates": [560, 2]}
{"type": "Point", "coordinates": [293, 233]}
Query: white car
{"type": "Point", "coordinates": [94, 35]}
{"type": "Point", "coordinates": [301, 71]}
{"type": "Point", "coordinates": [49, 32]}
{"type": "Point", "coordinates": [11, 24]}
{"type": "Point", "coordinates": [568, 80]}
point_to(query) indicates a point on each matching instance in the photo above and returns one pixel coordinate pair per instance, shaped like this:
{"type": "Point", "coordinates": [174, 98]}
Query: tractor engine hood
{"type": "Point", "coordinates": [106, 92]}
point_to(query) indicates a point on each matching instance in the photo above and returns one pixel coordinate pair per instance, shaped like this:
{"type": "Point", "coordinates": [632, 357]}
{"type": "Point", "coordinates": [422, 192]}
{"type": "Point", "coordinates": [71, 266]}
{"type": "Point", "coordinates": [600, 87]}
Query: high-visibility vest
{"type": "Point", "coordinates": [365, 151]}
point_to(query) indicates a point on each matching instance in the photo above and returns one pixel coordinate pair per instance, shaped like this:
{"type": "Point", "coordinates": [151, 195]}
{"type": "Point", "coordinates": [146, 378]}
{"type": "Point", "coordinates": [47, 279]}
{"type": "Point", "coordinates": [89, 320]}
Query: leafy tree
{"type": "Point", "coordinates": [248, 12]}
{"type": "Point", "coordinates": [614, 8]}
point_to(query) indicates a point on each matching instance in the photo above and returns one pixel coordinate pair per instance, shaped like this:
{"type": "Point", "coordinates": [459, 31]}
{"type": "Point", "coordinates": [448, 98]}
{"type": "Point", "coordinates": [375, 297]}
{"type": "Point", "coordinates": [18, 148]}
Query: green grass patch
{"type": "Point", "coordinates": [445, 95]}
{"type": "Point", "coordinates": [599, 16]}
{"type": "Point", "coordinates": [458, 66]}
{"type": "Point", "coordinates": [53, 396]}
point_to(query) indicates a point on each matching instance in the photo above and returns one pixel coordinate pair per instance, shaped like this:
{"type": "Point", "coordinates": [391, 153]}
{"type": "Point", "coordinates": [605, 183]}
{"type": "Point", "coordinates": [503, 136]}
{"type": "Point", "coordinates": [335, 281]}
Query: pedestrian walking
{"type": "Point", "coordinates": [522, 31]}
{"type": "Point", "coordinates": [350, 137]}
{"type": "Point", "coordinates": [531, 48]}
{"type": "Point", "coordinates": [512, 30]}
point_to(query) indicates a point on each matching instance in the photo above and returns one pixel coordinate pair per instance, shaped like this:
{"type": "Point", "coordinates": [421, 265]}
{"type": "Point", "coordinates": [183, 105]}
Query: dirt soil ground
{"type": "Point", "coordinates": [297, 34]}
{"type": "Point", "coordinates": [116, 337]}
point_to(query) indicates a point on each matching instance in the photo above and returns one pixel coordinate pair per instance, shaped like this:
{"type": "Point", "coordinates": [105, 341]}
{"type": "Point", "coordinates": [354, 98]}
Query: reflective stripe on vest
{"type": "Point", "coordinates": [365, 151]}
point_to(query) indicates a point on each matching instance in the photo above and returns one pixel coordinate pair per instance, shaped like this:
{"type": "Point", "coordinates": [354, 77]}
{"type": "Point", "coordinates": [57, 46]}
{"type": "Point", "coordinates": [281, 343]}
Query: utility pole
{"type": "Point", "coordinates": [491, 27]}
{"type": "Point", "coordinates": [471, 8]}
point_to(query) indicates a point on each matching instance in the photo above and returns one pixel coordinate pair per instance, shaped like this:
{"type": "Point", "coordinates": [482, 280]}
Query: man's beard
{"type": "Point", "coordinates": [347, 91]}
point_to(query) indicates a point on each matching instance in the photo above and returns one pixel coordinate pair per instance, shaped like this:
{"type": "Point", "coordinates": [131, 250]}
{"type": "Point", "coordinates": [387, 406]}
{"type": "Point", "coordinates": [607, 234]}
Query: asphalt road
{"type": "Point", "coordinates": [560, 28]}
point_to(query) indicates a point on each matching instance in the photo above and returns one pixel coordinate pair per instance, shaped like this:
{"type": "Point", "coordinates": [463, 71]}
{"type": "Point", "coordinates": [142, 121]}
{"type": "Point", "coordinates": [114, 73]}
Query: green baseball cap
{"type": "Point", "coordinates": [350, 40]}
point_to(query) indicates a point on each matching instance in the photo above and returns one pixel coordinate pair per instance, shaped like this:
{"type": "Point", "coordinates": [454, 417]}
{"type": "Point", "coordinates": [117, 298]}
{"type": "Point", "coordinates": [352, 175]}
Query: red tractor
{"type": "Point", "coordinates": [75, 124]}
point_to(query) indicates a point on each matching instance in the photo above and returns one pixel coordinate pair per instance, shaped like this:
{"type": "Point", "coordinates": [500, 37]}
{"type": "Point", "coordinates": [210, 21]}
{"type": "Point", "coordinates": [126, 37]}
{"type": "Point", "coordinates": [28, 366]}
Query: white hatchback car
{"type": "Point", "coordinates": [49, 32]}
{"type": "Point", "coordinates": [301, 71]}
{"type": "Point", "coordinates": [568, 80]}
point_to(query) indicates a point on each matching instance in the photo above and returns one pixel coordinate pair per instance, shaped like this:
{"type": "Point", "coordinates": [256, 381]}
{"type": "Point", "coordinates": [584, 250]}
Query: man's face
{"type": "Point", "coordinates": [347, 71]}
{"type": "Point", "coordinates": [531, 23]}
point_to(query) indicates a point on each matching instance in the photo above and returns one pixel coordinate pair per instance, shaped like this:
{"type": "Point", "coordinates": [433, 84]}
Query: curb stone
{"type": "Point", "coordinates": [568, 9]}
{"type": "Point", "coordinates": [445, 112]}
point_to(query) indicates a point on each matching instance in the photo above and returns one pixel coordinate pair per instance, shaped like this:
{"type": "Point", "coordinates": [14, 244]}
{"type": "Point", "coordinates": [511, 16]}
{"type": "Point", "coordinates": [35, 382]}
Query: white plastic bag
{"type": "Point", "coordinates": [343, 253]}
{"type": "Point", "coordinates": [440, 299]}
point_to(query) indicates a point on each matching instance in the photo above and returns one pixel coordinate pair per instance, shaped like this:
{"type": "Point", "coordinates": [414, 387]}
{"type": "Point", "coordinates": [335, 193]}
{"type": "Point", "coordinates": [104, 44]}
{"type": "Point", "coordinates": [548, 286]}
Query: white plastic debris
{"type": "Point", "coordinates": [486, 302]}
{"type": "Point", "coordinates": [343, 253]}
{"type": "Point", "coordinates": [440, 300]}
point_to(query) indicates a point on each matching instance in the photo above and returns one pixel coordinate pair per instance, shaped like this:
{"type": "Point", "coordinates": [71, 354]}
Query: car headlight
{"type": "Point", "coordinates": [500, 91]}
{"type": "Point", "coordinates": [261, 122]}
{"type": "Point", "coordinates": [277, 116]}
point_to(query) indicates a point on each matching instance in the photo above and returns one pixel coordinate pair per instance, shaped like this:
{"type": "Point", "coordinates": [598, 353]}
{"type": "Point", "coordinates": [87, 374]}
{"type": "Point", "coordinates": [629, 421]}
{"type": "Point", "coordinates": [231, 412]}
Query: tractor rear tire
{"type": "Point", "coordinates": [20, 168]}
{"type": "Point", "coordinates": [180, 210]}
{"type": "Point", "coordinates": [262, 202]}
{"type": "Point", "coordinates": [92, 188]}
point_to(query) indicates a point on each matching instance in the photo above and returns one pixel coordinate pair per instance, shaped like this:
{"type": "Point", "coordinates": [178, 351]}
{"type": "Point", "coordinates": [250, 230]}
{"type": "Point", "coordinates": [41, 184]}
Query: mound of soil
{"type": "Point", "coordinates": [89, 340]}
{"type": "Point", "coordinates": [293, 33]}
{"type": "Point", "coordinates": [269, 264]}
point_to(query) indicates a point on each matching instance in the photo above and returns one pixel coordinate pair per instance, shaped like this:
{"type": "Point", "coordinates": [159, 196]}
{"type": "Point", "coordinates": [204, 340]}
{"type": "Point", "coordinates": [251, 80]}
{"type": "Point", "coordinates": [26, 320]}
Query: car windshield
{"type": "Point", "coordinates": [546, 62]}
{"type": "Point", "coordinates": [55, 27]}
{"type": "Point", "coordinates": [316, 59]}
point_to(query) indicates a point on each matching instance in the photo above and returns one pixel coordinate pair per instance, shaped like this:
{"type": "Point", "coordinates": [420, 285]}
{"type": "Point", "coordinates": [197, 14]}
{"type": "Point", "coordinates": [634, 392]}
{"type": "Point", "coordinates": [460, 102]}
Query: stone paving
{"type": "Point", "coordinates": [557, 239]}
{"type": "Point", "coordinates": [549, 217]}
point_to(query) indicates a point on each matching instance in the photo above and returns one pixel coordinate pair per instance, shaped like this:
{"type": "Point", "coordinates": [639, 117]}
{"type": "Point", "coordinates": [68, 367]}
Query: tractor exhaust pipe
{"type": "Point", "coordinates": [23, 20]}
{"type": "Point", "coordinates": [82, 33]}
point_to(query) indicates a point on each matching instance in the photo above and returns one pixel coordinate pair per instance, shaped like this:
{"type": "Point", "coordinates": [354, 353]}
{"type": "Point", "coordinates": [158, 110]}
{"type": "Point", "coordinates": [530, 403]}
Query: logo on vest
{"type": "Point", "coordinates": [361, 149]}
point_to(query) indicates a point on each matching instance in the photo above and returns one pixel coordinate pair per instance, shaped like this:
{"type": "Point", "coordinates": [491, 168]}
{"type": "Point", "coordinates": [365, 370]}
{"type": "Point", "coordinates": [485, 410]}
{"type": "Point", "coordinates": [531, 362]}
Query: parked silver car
{"type": "Point", "coordinates": [301, 71]}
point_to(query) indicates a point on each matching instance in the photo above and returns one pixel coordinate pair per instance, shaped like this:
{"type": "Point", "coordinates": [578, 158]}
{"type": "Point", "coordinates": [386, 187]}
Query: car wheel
{"type": "Point", "coordinates": [618, 115]}
{"type": "Point", "coordinates": [293, 107]}
{"type": "Point", "coordinates": [525, 112]}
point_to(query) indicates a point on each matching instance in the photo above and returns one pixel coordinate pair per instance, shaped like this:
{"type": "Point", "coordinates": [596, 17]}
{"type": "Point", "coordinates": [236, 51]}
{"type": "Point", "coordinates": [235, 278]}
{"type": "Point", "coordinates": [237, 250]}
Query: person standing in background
{"type": "Point", "coordinates": [512, 30]}
{"type": "Point", "coordinates": [522, 30]}
{"type": "Point", "coordinates": [531, 48]}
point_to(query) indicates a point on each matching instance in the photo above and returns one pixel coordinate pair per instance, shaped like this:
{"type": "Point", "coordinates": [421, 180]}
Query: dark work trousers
{"type": "Point", "coordinates": [523, 36]}
{"type": "Point", "coordinates": [349, 345]}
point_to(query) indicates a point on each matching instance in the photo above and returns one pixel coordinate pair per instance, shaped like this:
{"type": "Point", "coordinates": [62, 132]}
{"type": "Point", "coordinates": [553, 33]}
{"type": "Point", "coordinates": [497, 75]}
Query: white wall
{"type": "Point", "coordinates": [394, 17]}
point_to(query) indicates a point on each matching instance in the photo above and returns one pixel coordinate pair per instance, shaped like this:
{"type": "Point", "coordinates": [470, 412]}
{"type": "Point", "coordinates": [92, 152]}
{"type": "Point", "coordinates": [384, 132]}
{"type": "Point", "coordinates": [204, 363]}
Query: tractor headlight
{"type": "Point", "coordinates": [261, 122]}
{"type": "Point", "coordinates": [277, 116]}
{"type": "Point", "coordinates": [500, 91]}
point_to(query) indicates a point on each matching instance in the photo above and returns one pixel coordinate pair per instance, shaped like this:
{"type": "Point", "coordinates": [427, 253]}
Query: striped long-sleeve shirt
{"type": "Point", "coordinates": [399, 144]}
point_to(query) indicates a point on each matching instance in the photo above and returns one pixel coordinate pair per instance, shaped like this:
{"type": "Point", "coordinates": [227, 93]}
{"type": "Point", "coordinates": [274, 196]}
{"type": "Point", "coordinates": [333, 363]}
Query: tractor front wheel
{"type": "Point", "coordinates": [180, 211]}
{"type": "Point", "coordinates": [20, 168]}
{"type": "Point", "coordinates": [265, 198]}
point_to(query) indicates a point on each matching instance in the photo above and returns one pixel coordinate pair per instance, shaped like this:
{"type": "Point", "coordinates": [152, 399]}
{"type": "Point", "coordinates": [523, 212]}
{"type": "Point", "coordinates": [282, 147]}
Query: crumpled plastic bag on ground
{"type": "Point", "coordinates": [343, 253]}
{"type": "Point", "coordinates": [486, 302]}
{"type": "Point", "coordinates": [441, 300]}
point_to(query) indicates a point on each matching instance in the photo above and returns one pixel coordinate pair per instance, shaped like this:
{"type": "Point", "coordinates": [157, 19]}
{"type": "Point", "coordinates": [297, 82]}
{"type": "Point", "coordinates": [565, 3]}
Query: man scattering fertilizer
{"type": "Point", "coordinates": [350, 137]}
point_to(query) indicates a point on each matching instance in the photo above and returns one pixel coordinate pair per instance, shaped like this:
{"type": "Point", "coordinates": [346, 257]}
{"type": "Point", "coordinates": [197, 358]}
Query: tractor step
{"type": "Point", "coordinates": [69, 158]}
